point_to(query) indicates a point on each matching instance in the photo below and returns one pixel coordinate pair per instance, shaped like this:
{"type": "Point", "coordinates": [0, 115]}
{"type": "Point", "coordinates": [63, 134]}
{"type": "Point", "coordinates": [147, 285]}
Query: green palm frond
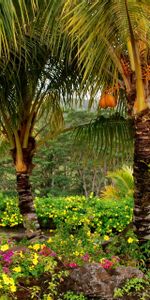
{"type": "Point", "coordinates": [111, 137]}
{"type": "Point", "coordinates": [15, 21]}
{"type": "Point", "coordinates": [122, 177]}
{"type": "Point", "coordinates": [101, 30]}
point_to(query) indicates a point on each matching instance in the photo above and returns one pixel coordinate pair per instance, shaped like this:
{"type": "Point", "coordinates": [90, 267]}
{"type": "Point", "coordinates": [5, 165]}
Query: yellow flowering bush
{"type": "Point", "coordinates": [74, 212]}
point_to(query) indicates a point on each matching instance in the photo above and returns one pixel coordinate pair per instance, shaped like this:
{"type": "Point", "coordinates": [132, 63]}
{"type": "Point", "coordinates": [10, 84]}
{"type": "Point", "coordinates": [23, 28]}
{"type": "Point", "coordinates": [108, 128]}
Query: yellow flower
{"type": "Point", "coordinates": [36, 247]}
{"type": "Point", "coordinates": [42, 246]}
{"type": "Point", "coordinates": [35, 259]}
{"type": "Point", "coordinates": [21, 254]}
{"type": "Point", "coordinates": [71, 237]}
{"type": "Point", "coordinates": [4, 247]}
{"type": "Point", "coordinates": [11, 281]}
{"type": "Point", "coordinates": [130, 240]}
{"type": "Point", "coordinates": [88, 233]}
{"type": "Point", "coordinates": [1, 284]}
{"type": "Point", "coordinates": [106, 238]}
{"type": "Point", "coordinates": [13, 288]}
{"type": "Point", "coordinates": [49, 297]}
{"type": "Point", "coordinates": [17, 269]}
{"type": "Point", "coordinates": [6, 279]}
{"type": "Point", "coordinates": [49, 240]}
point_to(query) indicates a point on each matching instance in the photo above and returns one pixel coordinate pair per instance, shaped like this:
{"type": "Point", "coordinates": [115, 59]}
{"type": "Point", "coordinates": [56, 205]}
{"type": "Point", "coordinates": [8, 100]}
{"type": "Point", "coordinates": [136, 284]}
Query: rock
{"type": "Point", "coordinates": [96, 282]}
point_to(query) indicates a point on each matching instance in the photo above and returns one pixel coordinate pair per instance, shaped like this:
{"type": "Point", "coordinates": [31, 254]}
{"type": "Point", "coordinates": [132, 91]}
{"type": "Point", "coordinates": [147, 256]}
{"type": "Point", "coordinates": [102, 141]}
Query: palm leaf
{"type": "Point", "coordinates": [111, 137]}
{"type": "Point", "coordinates": [15, 17]}
{"type": "Point", "coordinates": [122, 184]}
{"type": "Point", "coordinates": [101, 31]}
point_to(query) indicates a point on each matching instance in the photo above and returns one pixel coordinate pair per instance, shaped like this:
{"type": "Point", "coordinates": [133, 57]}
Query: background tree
{"type": "Point", "coordinates": [113, 49]}
{"type": "Point", "coordinates": [67, 166]}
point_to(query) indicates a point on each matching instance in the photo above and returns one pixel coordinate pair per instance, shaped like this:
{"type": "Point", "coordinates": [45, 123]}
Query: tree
{"type": "Point", "coordinates": [114, 52]}
{"type": "Point", "coordinates": [65, 166]}
{"type": "Point", "coordinates": [36, 78]}
{"type": "Point", "coordinates": [35, 89]}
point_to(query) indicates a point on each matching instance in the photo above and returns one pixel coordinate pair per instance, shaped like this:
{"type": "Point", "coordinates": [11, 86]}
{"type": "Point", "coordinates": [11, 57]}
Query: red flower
{"type": "Point", "coordinates": [72, 265]}
{"type": "Point", "coordinates": [106, 264]}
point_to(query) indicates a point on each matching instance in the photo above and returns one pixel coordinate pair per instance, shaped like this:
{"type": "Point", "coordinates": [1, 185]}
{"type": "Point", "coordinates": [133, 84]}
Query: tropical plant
{"type": "Point", "coordinates": [114, 51]}
{"type": "Point", "coordinates": [121, 184]}
{"type": "Point", "coordinates": [36, 78]}
{"type": "Point", "coordinates": [37, 88]}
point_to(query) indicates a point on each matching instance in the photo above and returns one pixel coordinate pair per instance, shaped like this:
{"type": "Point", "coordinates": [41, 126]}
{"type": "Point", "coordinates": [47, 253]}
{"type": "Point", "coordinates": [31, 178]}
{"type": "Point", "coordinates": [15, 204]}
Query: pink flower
{"type": "Point", "coordinates": [7, 255]}
{"type": "Point", "coordinates": [86, 257]}
{"type": "Point", "coordinates": [53, 254]}
{"type": "Point", "coordinates": [72, 265]}
{"type": "Point", "coordinates": [6, 270]}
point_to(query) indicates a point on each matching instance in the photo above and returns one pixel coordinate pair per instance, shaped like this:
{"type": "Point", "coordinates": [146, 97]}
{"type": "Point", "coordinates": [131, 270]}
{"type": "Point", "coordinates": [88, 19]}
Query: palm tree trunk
{"type": "Point", "coordinates": [26, 205]}
{"type": "Point", "coordinates": [142, 176]}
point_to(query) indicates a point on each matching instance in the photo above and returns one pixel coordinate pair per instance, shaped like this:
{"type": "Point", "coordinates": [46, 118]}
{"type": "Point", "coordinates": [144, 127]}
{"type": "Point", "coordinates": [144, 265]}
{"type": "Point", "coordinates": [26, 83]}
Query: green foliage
{"type": "Point", "coordinates": [69, 166]}
{"type": "Point", "coordinates": [134, 286]}
{"type": "Point", "coordinates": [80, 224]}
{"type": "Point", "coordinates": [74, 212]}
{"type": "Point", "coordinates": [122, 184]}
{"type": "Point", "coordinates": [63, 166]}
{"type": "Point", "coordinates": [111, 135]}
{"type": "Point", "coordinates": [73, 296]}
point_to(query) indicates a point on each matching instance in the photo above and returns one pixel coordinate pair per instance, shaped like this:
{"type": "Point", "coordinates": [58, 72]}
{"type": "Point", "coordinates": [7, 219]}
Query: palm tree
{"type": "Point", "coordinates": [37, 89]}
{"type": "Point", "coordinates": [114, 51]}
{"type": "Point", "coordinates": [36, 78]}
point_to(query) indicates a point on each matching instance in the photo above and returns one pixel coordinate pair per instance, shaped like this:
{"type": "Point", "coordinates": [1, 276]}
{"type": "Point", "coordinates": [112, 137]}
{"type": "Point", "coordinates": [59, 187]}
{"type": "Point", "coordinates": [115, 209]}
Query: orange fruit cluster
{"type": "Point", "coordinates": [107, 100]}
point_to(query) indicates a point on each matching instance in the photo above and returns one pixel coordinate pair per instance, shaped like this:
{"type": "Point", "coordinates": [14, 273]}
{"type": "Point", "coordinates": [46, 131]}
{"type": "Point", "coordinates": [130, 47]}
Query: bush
{"type": "Point", "coordinates": [73, 213]}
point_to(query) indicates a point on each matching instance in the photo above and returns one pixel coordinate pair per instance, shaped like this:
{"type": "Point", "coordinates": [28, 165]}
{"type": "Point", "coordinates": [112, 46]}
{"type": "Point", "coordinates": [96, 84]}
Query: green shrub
{"type": "Point", "coordinates": [105, 217]}
{"type": "Point", "coordinates": [136, 287]}
{"type": "Point", "coordinates": [9, 212]}
{"type": "Point", "coordinates": [73, 213]}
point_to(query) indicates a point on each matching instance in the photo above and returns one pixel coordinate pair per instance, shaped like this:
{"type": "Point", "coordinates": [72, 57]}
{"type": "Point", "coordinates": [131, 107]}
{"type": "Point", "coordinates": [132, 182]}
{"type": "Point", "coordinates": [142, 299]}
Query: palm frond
{"type": "Point", "coordinates": [101, 31]}
{"type": "Point", "coordinates": [15, 18]}
{"type": "Point", "coordinates": [122, 184]}
{"type": "Point", "coordinates": [39, 86]}
{"type": "Point", "coordinates": [111, 137]}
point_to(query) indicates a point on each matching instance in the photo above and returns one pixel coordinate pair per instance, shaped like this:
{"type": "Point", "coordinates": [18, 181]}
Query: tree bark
{"type": "Point", "coordinates": [26, 205]}
{"type": "Point", "coordinates": [142, 176]}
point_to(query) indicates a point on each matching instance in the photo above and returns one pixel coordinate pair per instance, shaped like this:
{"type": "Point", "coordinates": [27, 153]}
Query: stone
{"type": "Point", "coordinates": [96, 282]}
